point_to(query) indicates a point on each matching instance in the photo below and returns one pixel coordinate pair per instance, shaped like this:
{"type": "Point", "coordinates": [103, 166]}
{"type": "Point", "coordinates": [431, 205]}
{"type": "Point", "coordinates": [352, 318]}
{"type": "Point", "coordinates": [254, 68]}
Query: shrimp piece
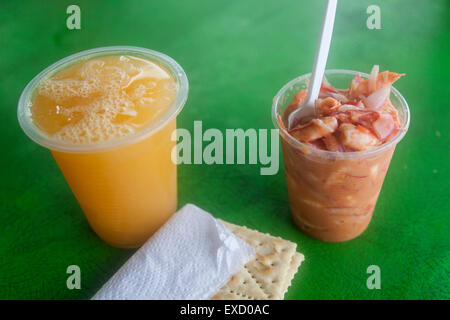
{"type": "Point", "coordinates": [357, 116]}
{"type": "Point", "coordinates": [384, 126]}
{"type": "Point", "coordinates": [360, 87]}
{"type": "Point", "coordinates": [349, 107]}
{"type": "Point", "coordinates": [363, 116]}
{"type": "Point", "coordinates": [357, 137]}
{"type": "Point", "coordinates": [331, 143]}
{"type": "Point", "coordinates": [315, 129]}
{"type": "Point", "coordinates": [386, 78]}
{"type": "Point", "coordinates": [327, 106]}
{"type": "Point", "coordinates": [343, 117]}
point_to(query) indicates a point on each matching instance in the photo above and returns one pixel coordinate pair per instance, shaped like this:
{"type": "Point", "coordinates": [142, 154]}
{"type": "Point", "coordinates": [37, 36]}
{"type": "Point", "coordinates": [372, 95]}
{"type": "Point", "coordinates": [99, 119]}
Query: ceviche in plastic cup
{"type": "Point", "coordinates": [335, 163]}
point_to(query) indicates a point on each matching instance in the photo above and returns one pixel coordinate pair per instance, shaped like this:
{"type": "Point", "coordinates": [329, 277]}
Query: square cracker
{"type": "Point", "coordinates": [272, 269]}
{"type": "Point", "coordinates": [296, 261]}
{"type": "Point", "coordinates": [241, 286]}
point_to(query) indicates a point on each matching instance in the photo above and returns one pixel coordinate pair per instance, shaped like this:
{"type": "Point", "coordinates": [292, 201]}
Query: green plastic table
{"type": "Point", "coordinates": [237, 55]}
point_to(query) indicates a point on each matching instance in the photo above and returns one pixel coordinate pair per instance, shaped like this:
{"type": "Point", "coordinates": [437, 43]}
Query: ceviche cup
{"type": "Point", "coordinates": [332, 195]}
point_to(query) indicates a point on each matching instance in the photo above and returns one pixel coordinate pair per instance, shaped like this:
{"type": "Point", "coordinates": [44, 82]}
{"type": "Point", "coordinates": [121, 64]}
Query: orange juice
{"type": "Point", "coordinates": [107, 115]}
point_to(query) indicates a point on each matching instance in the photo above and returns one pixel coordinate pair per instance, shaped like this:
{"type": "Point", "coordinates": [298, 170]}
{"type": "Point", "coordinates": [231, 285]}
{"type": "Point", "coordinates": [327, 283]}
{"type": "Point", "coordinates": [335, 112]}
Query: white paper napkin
{"type": "Point", "coordinates": [190, 257]}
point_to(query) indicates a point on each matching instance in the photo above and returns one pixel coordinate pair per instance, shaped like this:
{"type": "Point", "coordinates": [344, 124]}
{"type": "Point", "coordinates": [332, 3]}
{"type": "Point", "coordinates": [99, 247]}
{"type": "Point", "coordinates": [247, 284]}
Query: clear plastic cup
{"type": "Point", "coordinates": [332, 195]}
{"type": "Point", "coordinates": [127, 187]}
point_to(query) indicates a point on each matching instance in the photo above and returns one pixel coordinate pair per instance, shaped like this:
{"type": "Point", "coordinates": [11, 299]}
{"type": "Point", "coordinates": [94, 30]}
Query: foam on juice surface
{"type": "Point", "coordinates": [102, 98]}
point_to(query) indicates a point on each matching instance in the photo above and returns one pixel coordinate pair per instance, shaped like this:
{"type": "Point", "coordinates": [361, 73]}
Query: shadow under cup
{"type": "Point", "coordinates": [332, 195]}
{"type": "Point", "coordinates": [127, 186]}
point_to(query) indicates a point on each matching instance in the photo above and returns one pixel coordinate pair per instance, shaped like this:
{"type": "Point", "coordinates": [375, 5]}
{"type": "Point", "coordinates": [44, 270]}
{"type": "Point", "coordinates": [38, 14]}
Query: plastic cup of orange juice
{"type": "Point", "coordinates": [126, 185]}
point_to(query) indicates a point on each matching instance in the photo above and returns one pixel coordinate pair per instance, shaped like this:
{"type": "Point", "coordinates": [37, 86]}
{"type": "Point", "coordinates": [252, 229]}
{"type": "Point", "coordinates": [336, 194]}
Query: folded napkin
{"type": "Point", "coordinates": [190, 257]}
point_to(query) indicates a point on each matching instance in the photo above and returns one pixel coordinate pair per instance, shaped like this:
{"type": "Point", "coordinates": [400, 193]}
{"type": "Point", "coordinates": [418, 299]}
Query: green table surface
{"type": "Point", "coordinates": [237, 55]}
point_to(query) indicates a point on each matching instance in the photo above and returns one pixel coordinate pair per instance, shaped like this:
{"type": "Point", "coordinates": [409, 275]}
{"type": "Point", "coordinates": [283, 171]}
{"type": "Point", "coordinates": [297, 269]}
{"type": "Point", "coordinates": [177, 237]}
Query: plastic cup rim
{"type": "Point", "coordinates": [37, 135]}
{"type": "Point", "coordinates": [335, 154]}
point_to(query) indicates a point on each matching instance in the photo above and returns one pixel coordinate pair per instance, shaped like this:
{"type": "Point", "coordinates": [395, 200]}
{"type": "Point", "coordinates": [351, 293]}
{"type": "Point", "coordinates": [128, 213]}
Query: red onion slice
{"type": "Point", "coordinates": [373, 78]}
{"type": "Point", "coordinates": [378, 98]}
